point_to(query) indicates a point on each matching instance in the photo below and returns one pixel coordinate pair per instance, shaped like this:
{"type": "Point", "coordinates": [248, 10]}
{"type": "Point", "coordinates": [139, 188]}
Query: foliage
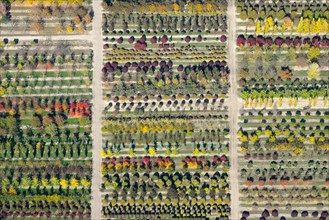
{"type": "Point", "coordinates": [313, 71]}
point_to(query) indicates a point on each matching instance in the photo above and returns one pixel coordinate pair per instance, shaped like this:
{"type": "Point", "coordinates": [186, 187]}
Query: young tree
{"type": "Point", "coordinates": [313, 53]}
{"type": "Point", "coordinates": [313, 71]}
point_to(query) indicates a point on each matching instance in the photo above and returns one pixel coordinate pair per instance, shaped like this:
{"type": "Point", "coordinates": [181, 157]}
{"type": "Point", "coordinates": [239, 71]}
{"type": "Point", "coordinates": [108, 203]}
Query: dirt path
{"type": "Point", "coordinates": [234, 107]}
{"type": "Point", "coordinates": [96, 202]}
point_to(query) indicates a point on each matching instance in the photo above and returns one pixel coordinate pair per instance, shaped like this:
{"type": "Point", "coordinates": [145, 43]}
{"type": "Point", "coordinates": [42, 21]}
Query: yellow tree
{"type": "Point", "coordinates": [209, 7]}
{"type": "Point", "coordinates": [314, 52]}
{"type": "Point", "coordinates": [313, 26]}
{"type": "Point", "coordinates": [190, 7]}
{"type": "Point", "coordinates": [324, 26]}
{"type": "Point", "coordinates": [199, 8]}
{"type": "Point", "coordinates": [85, 183]}
{"type": "Point", "coordinates": [266, 27]}
{"type": "Point", "coordinates": [54, 181]}
{"type": "Point", "coordinates": [152, 8]}
{"type": "Point", "coordinates": [317, 27]}
{"type": "Point", "coordinates": [306, 26]}
{"type": "Point", "coordinates": [176, 7]}
{"type": "Point", "coordinates": [270, 21]}
{"type": "Point", "coordinates": [162, 9]}
{"type": "Point", "coordinates": [283, 28]}
{"type": "Point", "coordinates": [152, 151]}
{"type": "Point", "coordinates": [300, 25]}
{"type": "Point", "coordinates": [74, 182]}
{"type": "Point", "coordinates": [44, 182]}
{"type": "Point", "coordinates": [196, 151]}
{"type": "Point", "coordinates": [313, 71]}
{"type": "Point", "coordinates": [12, 191]}
{"type": "Point", "coordinates": [258, 27]}
{"type": "Point", "coordinates": [63, 183]}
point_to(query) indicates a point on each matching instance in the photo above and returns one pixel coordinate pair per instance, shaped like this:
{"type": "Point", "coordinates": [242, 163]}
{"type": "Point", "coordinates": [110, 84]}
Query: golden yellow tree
{"type": "Point", "coordinates": [199, 8]}
{"type": "Point", "coordinates": [190, 7]}
{"type": "Point", "coordinates": [176, 7]}
{"type": "Point", "coordinates": [162, 9]}
{"type": "Point", "coordinates": [152, 8]}
{"type": "Point", "coordinates": [209, 7]}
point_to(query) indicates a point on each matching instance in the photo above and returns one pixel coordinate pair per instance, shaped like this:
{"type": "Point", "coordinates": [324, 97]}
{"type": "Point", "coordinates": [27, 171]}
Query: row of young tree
{"type": "Point", "coordinates": [170, 7]}
{"type": "Point", "coordinates": [160, 23]}
{"type": "Point", "coordinates": [295, 11]}
{"type": "Point", "coordinates": [294, 214]}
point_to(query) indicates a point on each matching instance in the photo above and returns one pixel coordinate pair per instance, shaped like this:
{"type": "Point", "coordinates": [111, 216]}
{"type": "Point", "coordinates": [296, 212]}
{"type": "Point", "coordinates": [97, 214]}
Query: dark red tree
{"type": "Point", "coordinates": [105, 46]}
{"type": "Point", "coordinates": [324, 214]}
{"type": "Point", "coordinates": [124, 69]}
{"type": "Point", "coordinates": [187, 39]}
{"type": "Point", "coordinates": [199, 38]}
{"type": "Point", "coordinates": [324, 42]}
{"type": "Point", "coordinates": [120, 40]}
{"type": "Point", "coordinates": [140, 45]}
{"type": "Point", "coordinates": [297, 41]}
{"type": "Point", "coordinates": [245, 214]}
{"type": "Point", "coordinates": [241, 40]}
{"type": "Point", "coordinates": [153, 40]}
{"type": "Point", "coordinates": [131, 39]}
{"type": "Point", "coordinates": [143, 39]}
{"type": "Point", "coordinates": [164, 39]}
{"type": "Point", "coordinates": [223, 38]}
{"type": "Point", "coordinates": [260, 40]}
{"type": "Point", "coordinates": [316, 41]}
{"type": "Point", "coordinates": [269, 41]}
{"type": "Point", "coordinates": [288, 41]}
{"type": "Point", "coordinates": [307, 41]}
{"type": "Point", "coordinates": [251, 41]}
{"type": "Point", "coordinates": [278, 41]}
{"type": "Point", "coordinates": [294, 213]}
{"type": "Point", "coordinates": [275, 213]}
{"type": "Point", "coordinates": [265, 213]}
{"type": "Point", "coordinates": [304, 214]}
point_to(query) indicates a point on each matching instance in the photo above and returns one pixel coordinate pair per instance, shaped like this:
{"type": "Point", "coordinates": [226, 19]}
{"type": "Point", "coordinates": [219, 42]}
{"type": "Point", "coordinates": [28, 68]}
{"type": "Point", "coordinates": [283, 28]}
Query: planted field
{"type": "Point", "coordinates": [45, 120]}
{"type": "Point", "coordinates": [165, 127]}
{"type": "Point", "coordinates": [209, 109]}
{"type": "Point", "coordinates": [283, 55]}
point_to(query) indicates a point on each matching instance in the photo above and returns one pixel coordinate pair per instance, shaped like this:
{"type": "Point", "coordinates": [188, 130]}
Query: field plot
{"type": "Point", "coordinates": [45, 120]}
{"type": "Point", "coordinates": [283, 70]}
{"type": "Point", "coordinates": [21, 18]}
{"type": "Point", "coordinates": [165, 127]}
